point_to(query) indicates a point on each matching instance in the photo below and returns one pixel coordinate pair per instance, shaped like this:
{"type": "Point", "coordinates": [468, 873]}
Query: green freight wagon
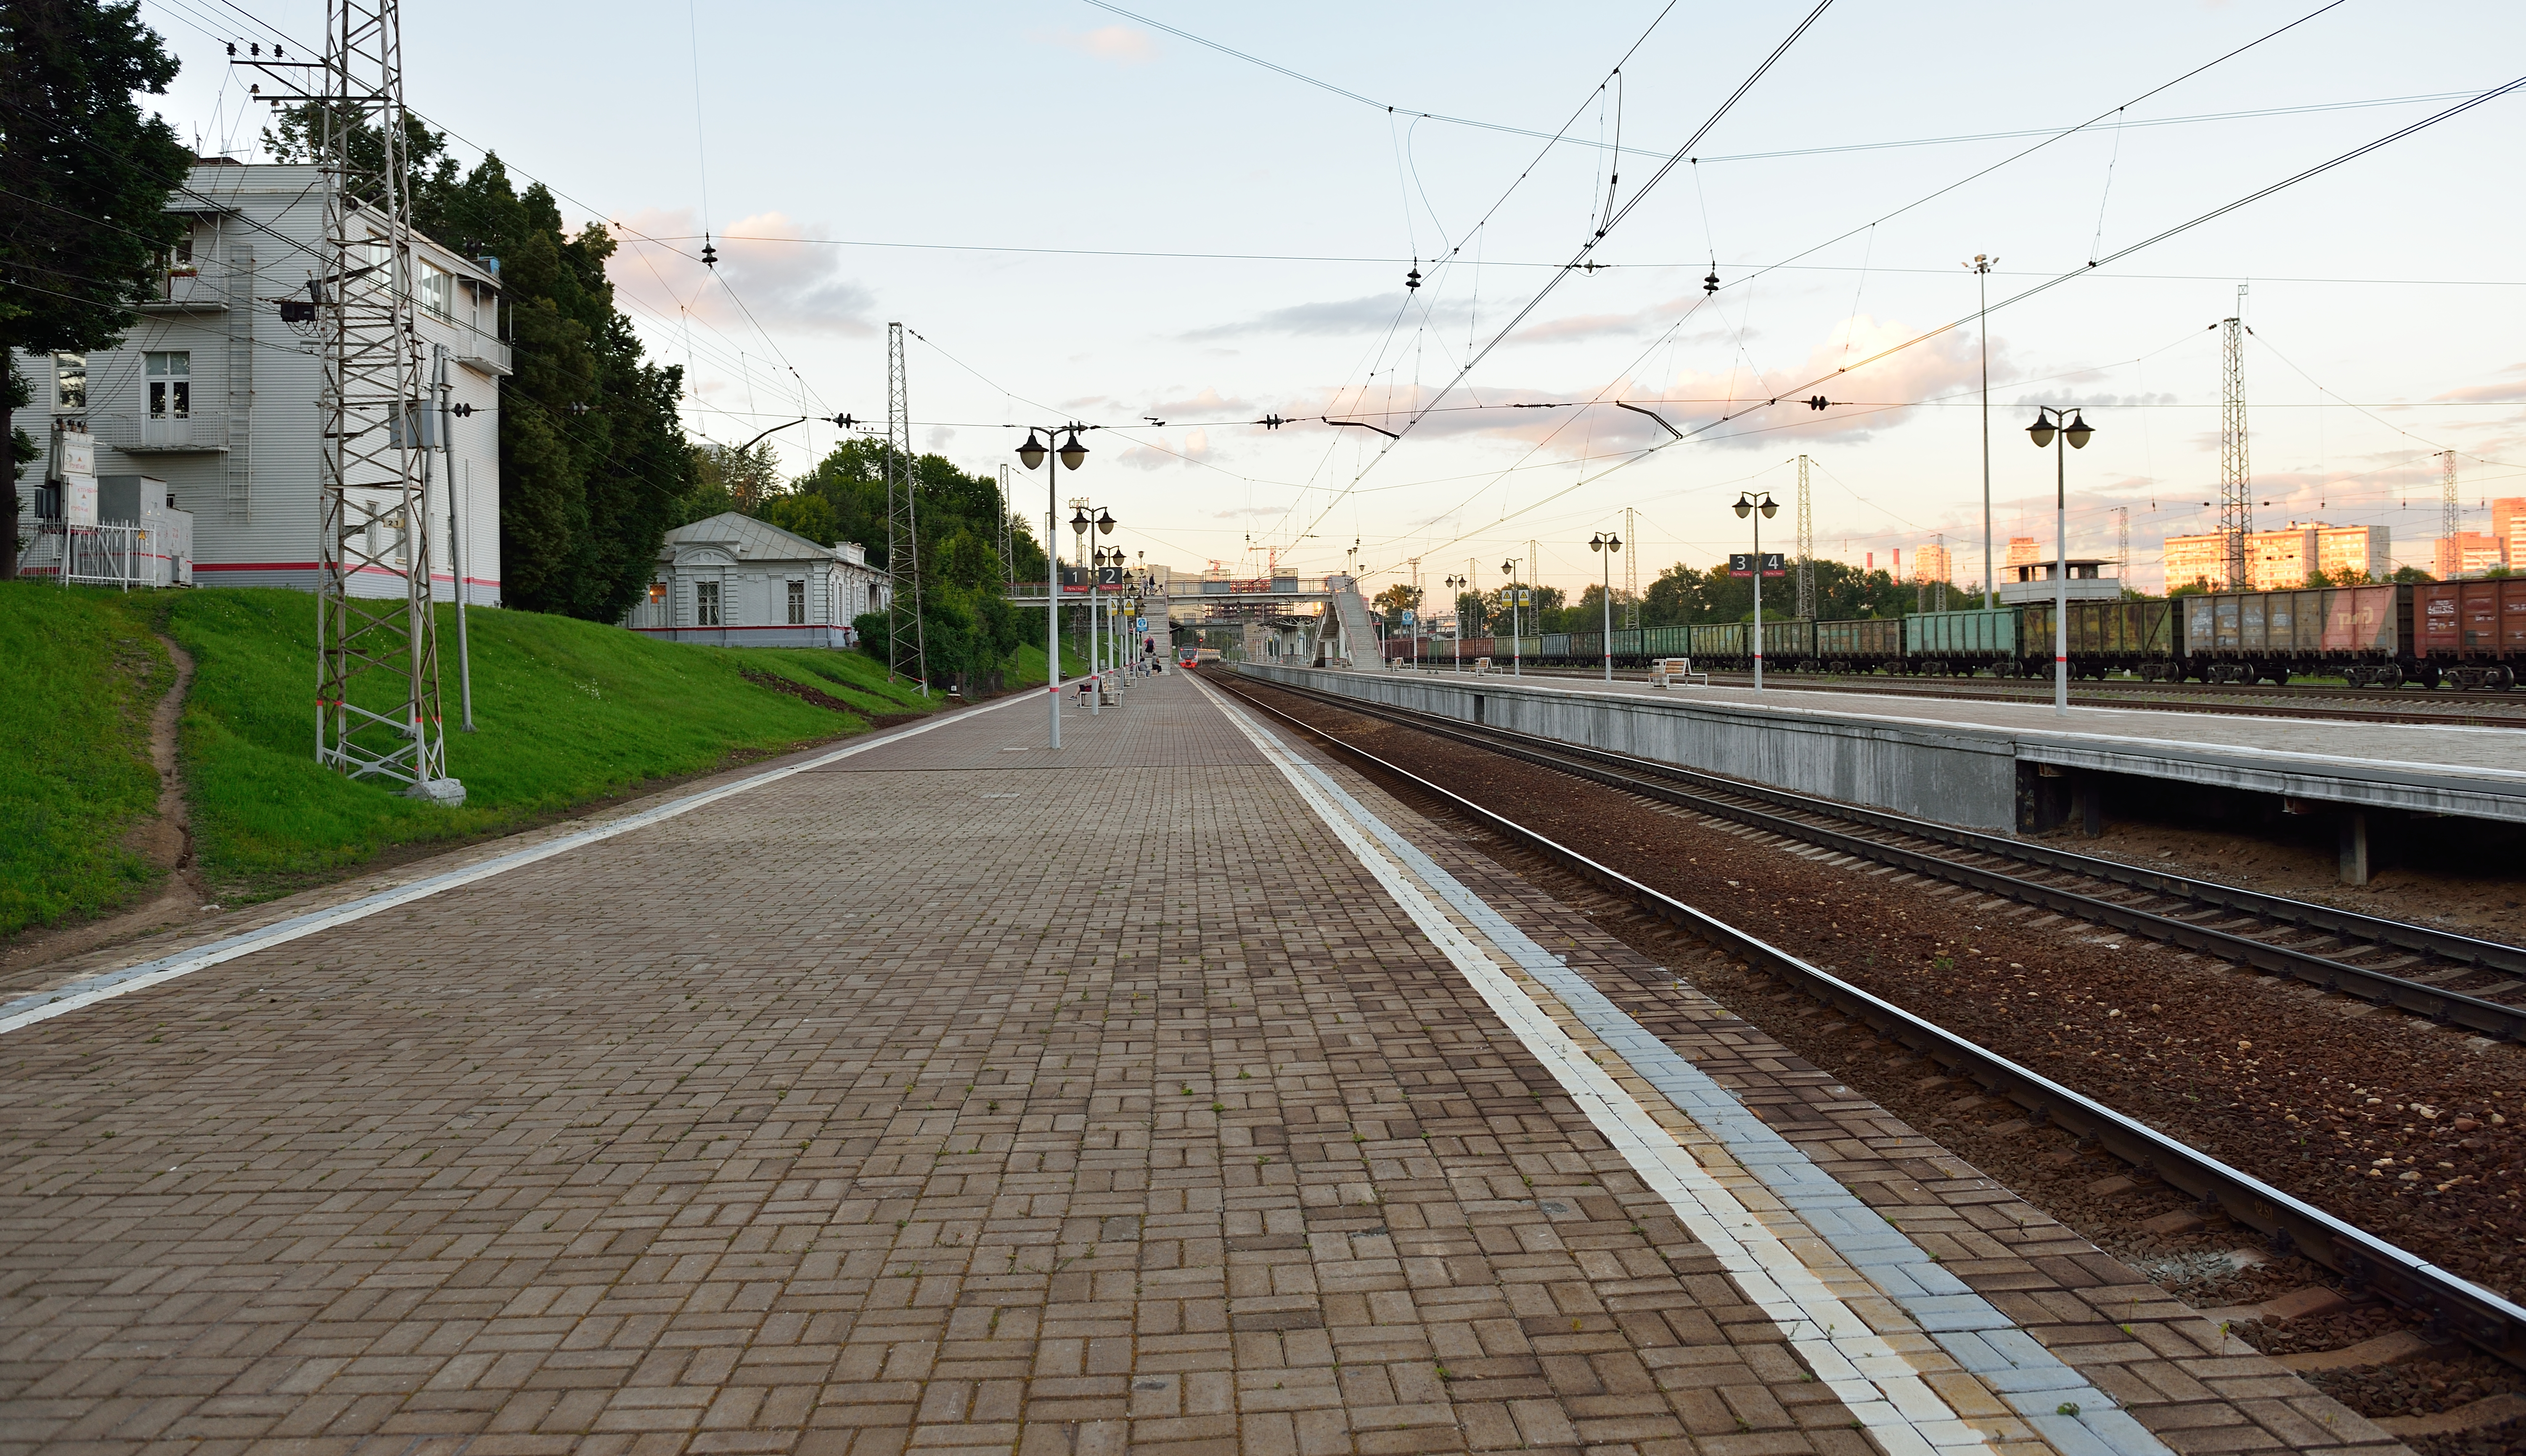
{"type": "Point", "coordinates": [1961, 642]}
{"type": "Point", "coordinates": [1861, 646]}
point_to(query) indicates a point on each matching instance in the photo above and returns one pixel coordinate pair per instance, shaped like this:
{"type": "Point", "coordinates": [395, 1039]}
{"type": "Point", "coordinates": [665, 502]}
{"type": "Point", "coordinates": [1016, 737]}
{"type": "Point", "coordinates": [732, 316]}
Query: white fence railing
{"type": "Point", "coordinates": [93, 555]}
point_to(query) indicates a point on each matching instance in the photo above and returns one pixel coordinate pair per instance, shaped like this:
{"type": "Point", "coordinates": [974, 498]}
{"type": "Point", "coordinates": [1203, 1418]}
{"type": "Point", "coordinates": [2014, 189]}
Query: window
{"type": "Point", "coordinates": [70, 382]}
{"type": "Point", "coordinates": [797, 604]}
{"type": "Point", "coordinates": [657, 593]}
{"type": "Point", "coordinates": [437, 291]}
{"type": "Point", "coordinates": [706, 604]}
{"type": "Point", "coordinates": [171, 384]}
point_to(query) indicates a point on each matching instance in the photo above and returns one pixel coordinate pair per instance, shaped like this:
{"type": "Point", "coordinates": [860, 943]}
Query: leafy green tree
{"type": "Point", "coordinates": [1683, 594]}
{"type": "Point", "coordinates": [83, 183]}
{"type": "Point", "coordinates": [809, 516]}
{"type": "Point", "coordinates": [1395, 601]}
{"type": "Point", "coordinates": [2411, 574]}
{"type": "Point", "coordinates": [968, 622]}
{"type": "Point", "coordinates": [1469, 614]}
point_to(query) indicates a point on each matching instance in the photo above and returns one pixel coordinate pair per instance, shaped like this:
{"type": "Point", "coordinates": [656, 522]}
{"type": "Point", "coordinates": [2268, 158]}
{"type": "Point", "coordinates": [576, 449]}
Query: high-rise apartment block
{"type": "Point", "coordinates": [2278, 560]}
{"type": "Point", "coordinates": [1931, 563]}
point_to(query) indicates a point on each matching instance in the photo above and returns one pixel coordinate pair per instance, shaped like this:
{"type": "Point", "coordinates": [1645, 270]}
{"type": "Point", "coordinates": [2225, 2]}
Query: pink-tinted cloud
{"type": "Point", "coordinates": [766, 265]}
{"type": "Point", "coordinates": [1120, 44]}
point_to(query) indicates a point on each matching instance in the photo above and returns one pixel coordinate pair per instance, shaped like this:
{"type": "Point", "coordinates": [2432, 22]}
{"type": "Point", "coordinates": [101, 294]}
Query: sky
{"type": "Point", "coordinates": [1087, 215]}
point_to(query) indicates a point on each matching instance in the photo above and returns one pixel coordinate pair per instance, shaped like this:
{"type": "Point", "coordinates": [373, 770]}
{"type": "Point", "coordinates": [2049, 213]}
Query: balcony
{"type": "Point", "coordinates": [200, 436]}
{"type": "Point", "coordinates": [480, 352]}
{"type": "Point", "coordinates": [191, 289]}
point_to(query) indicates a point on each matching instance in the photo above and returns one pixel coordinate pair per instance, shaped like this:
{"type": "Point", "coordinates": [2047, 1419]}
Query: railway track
{"type": "Point", "coordinates": [2364, 1260]}
{"type": "Point", "coordinates": [2482, 709]}
{"type": "Point", "coordinates": [2388, 963]}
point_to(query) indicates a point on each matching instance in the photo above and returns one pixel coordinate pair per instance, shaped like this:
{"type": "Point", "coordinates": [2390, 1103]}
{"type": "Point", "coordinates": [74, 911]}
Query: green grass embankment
{"type": "Point", "coordinates": [566, 712]}
{"type": "Point", "coordinates": [82, 676]}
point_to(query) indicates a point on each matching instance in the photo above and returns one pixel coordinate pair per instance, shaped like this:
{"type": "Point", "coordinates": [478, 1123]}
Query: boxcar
{"type": "Point", "coordinates": [2364, 633]}
{"type": "Point", "coordinates": [1961, 642]}
{"type": "Point", "coordinates": [1861, 646]}
{"type": "Point", "coordinates": [2471, 633]}
{"type": "Point", "coordinates": [1788, 642]}
{"type": "Point", "coordinates": [2102, 636]}
{"type": "Point", "coordinates": [1666, 641]}
{"type": "Point", "coordinates": [1627, 644]}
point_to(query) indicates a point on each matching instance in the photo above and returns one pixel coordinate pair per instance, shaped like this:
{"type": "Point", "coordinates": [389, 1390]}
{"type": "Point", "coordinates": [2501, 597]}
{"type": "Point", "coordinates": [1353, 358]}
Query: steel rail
{"type": "Point", "coordinates": [2455, 1305]}
{"type": "Point", "coordinates": [1659, 781]}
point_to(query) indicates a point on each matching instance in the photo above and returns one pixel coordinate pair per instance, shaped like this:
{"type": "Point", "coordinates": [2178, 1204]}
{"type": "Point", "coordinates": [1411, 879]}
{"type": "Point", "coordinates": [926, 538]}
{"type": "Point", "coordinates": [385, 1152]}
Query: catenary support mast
{"type": "Point", "coordinates": [377, 695]}
{"type": "Point", "coordinates": [906, 641]}
{"type": "Point", "coordinates": [2235, 476]}
{"type": "Point", "coordinates": [1805, 546]}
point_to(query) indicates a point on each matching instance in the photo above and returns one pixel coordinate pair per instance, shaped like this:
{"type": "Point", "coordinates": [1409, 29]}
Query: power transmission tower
{"type": "Point", "coordinates": [1806, 546]}
{"type": "Point", "coordinates": [377, 699]}
{"type": "Point", "coordinates": [1632, 571]}
{"type": "Point", "coordinates": [905, 637]}
{"type": "Point", "coordinates": [1008, 549]}
{"type": "Point", "coordinates": [2236, 477]}
{"type": "Point", "coordinates": [2122, 545]}
{"type": "Point", "coordinates": [2450, 513]}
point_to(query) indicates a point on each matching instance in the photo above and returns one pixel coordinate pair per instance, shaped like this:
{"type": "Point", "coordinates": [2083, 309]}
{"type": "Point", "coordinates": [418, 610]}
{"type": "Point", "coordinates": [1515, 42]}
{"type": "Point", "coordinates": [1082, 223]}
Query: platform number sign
{"type": "Point", "coordinates": [1741, 563]}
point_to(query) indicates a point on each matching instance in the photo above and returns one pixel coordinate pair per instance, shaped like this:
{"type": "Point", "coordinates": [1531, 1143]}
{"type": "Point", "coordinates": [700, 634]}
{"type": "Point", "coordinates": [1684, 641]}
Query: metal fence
{"type": "Point", "coordinates": [93, 555]}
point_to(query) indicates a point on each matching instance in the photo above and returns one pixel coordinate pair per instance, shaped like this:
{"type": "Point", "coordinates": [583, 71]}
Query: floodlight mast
{"type": "Point", "coordinates": [377, 695]}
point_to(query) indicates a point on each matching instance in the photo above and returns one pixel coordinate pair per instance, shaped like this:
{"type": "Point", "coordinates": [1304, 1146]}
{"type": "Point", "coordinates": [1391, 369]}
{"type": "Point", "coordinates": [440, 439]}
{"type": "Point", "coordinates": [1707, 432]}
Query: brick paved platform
{"type": "Point", "coordinates": [1175, 1090]}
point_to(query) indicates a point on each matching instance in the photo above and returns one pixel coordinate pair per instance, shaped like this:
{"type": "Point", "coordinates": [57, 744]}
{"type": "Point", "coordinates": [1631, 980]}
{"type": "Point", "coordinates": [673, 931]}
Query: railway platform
{"type": "Point", "coordinates": [938, 1091]}
{"type": "Point", "coordinates": [1981, 764]}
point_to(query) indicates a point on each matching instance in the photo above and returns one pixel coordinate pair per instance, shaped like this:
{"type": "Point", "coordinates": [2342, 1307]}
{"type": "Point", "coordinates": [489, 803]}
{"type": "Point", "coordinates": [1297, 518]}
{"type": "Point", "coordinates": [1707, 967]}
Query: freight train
{"type": "Point", "coordinates": [2469, 634]}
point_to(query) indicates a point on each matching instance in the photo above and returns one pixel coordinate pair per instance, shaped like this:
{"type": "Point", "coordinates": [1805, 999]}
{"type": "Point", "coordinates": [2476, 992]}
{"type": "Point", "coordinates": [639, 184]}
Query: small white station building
{"type": "Point", "coordinates": [734, 582]}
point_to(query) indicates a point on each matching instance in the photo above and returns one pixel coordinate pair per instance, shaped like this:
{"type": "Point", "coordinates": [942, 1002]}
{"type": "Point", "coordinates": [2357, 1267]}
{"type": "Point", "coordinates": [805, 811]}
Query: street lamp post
{"type": "Point", "coordinates": [1516, 644]}
{"type": "Point", "coordinates": [1455, 606]}
{"type": "Point", "coordinates": [2047, 424]}
{"type": "Point", "coordinates": [1609, 543]}
{"type": "Point", "coordinates": [1748, 505]}
{"type": "Point", "coordinates": [1982, 265]}
{"type": "Point", "coordinates": [1071, 455]}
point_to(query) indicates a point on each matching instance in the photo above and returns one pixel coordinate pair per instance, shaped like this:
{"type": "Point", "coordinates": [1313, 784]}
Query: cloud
{"type": "Point", "coordinates": [1120, 44]}
{"type": "Point", "coordinates": [1342, 316]}
{"type": "Point", "coordinates": [2503, 387]}
{"type": "Point", "coordinates": [770, 263]}
{"type": "Point", "coordinates": [2061, 399]}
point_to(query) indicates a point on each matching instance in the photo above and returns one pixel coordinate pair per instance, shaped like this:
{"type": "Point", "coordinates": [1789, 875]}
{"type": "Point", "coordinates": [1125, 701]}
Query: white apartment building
{"type": "Point", "coordinates": [213, 394]}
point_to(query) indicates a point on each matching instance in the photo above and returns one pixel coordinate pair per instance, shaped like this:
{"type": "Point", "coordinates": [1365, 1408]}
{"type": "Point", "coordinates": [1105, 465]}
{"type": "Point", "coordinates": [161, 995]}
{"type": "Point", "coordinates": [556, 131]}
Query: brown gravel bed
{"type": "Point", "coordinates": [2330, 1331]}
{"type": "Point", "coordinates": [2307, 1091]}
{"type": "Point", "coordinates": [2424, 1387]}
{"type": "Point", "coordinates": [2507, 1438]}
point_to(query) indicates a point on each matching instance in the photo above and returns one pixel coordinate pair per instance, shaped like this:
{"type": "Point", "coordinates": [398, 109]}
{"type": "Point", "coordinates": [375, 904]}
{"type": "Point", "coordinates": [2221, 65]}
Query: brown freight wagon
{"type": "Point", "coordinates": [2470, 633]}
{"type": "Point", "coordinates": [2241, 637]}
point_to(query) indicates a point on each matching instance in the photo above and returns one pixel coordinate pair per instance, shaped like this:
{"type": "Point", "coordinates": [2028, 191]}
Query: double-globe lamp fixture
{"type": "Point", "coordinates": [2077, 431]}
{"type": "Point", "coordinates": [1072, 454]}
{"type": "Point", "coordinates": [1609, 543]}
{"type": "Point", "coordinates": [1747, 505]}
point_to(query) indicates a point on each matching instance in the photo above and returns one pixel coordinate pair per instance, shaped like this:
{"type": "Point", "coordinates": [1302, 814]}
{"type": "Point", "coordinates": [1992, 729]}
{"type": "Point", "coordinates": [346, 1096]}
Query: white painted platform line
{"type": "Point", "coordinates": [1833, 1338]}
{"type": "Point", "coordinates": [61, 1000]}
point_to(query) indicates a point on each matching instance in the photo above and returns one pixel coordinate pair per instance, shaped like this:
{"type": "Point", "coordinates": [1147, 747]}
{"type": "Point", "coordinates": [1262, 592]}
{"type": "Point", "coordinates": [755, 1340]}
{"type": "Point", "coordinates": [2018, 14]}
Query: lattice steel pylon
{"type": "Point", "coordinates": [2122, 545]}
{"type": "Point", "coordinates": [1806, 546]}
{"type": "Point", "coordinates": [2450, 511]}
{"type": "Point", "coordinates": [1008, 544]}
{"type": "Point", "coordinates": [1632, 569]}
{"type": "Point", "coordinates": [2235, 476]}
{"type": "Point", "coordinates": [905, 636]}
{"type": "Point", "coordinates": [377, 695]}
